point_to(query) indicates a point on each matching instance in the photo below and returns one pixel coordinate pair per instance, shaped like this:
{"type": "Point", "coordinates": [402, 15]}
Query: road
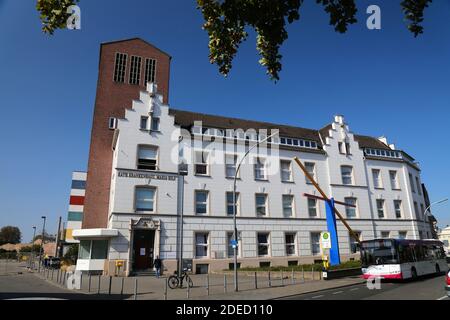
{"type": "Point", "coordinates": [429, 288]}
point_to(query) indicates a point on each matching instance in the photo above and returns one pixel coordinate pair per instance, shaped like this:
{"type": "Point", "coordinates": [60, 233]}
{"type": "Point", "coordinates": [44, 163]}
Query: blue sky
{"type": "Point", "coordinates": [385, 82]}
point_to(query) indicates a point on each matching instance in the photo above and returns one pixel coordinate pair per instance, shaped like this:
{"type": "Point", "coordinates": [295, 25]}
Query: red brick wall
{"type": "Point", "coordinates": [111, 101]}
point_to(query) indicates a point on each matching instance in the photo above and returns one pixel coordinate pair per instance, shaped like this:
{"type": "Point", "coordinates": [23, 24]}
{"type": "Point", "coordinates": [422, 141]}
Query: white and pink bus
{"type": "Point", "coordinates": [401, 258]}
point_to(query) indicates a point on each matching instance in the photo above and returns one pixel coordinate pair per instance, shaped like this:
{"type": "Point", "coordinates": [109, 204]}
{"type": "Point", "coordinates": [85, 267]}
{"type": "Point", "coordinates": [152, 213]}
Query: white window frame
{"type": "Point", "coordinates": [346, 200]}
{"type": "Point", "coordinates": [232, 166]}
{"type": "Point", "coordinates": [313, 244]}
{"type": "Point", "coordinates": [203, 203]}
{"type": "Point", "coordinates": [266, 244]}
{"type": "Point", "coordinates": [202, 244]}
{"type": "Point", "coordinates": [204, 162]}
{"type": "Point", "coordinates": [294, 243]}
{"type": "Point", "coordinates": [312, 173]}
{"type": "Point", "coordinates": [345, 175]}
{"type": "Point", "coordinates": [152, 122]}
{"type": "Point", "coordinates": [142, 210]}
{"type": "Point", "coordinates": [399, 210]}
{"type": "Point", "coordinates": [377, 179]}
{"type": "Point", "coordinates": [394, 182]}
{"type": "Point", "coordinates": [310, 207]}
{"type": "Point", "coordinates": [260, 166]}
{"type": "Point", "coordinates": [292, 205]}
{"type": "Point", "coordinates": [230, 204]}
{"type": "Point", "coordinates": [284, 171]}
{"type": "Point", "coordinates": [266, 209]}
{"type": "Point", "coordinates": [156, 159]}
{"type": "Point", "coordinates": [383, 208]}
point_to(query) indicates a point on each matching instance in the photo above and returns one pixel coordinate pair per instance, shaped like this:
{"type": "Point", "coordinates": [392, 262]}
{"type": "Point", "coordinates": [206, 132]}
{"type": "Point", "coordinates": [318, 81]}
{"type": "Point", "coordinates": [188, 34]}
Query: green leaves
{"type": "Point", "coordinates": [413, 10]}
{"type": "Point", "coordinates": [226, 20]}
{"type": "Point", "coordinates": [53, 14]}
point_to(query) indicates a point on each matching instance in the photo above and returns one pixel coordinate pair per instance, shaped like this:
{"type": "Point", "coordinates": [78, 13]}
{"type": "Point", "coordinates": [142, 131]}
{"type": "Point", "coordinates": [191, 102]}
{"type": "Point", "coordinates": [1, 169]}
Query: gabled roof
{"type": "Point", "coordinates": [134, 39]}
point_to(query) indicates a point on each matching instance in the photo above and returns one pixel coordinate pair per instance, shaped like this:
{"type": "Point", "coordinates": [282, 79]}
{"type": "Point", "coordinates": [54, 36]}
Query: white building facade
{"type": "Point", "coordinates": [277, 224]}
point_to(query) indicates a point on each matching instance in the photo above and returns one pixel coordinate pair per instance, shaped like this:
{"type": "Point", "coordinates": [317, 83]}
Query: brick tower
{"type": "Point", "coordinates": [124, 69]}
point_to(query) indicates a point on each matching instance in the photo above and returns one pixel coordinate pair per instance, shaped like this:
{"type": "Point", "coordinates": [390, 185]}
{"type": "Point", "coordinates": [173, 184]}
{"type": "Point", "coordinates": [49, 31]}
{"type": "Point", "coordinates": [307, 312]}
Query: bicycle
{"type": "Point", "coordinates": [176, 281]}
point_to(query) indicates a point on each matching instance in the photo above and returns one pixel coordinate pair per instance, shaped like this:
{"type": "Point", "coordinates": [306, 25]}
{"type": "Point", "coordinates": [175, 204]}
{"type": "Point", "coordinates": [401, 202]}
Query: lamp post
{"type": "Point", "coordinates": [42, 244]}
{"type": "Point", "coordinates": [32, 247]}
{"type": "Point", "coordinates": [428, 208]}
{"type": "Point", "coordinates": [235, 246]}
{"type": "Point", "coordinates": [182, 172]}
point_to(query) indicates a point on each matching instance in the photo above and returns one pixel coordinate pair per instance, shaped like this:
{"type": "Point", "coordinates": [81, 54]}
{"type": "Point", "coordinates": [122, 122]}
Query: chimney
{"type": "Point", "coordinates": [384, 140]}
{"type": "Point", "coordinates": [339, 119]}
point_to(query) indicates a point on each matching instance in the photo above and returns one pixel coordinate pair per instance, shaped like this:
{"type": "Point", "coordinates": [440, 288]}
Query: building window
{"type": "Point", "coordinates": [150, 68]}
{"type": "Point", "coordinates": [354, 246]}
{"type": "Point", "coordinates": [288, 205]}
{"type": "Point", "coordinates": [263, 244]}
{"type": "Point", "coordinates": [201, 163]}
{"type": "Point", "coordinates": [260, 169]}
{"type": "Point", "coordinates": [155, 124]}
{"type": "Point", "coordinates": [230, 165]}
{"type": "Point", "coordinates": [93, 249]}
{"type": "Point", "coordinates": [377, 182]}
{"type": "Point", "coordinates": [261, 204]}
{"type": "Point", "coordinates": [344, 148]}
{"type": "Point", "coordinates": [230, 249]}
{"type": "Point", "coordinates": [135, 70]}
{"type": "Point", "coordinates": [350, 211]}
{"type": "Point", "coordinates": [311, 169]}
{"type": "Point", "coordinates": [422, 211]}
{"type": "Point", "coordinates": [394, 181]}
{"type": "Point", "coordinates": [144, 121]}
{"type": "Point", "coordinates": [119, 67]}
{"type": "Point", "coordinates": [230, 203]}
{"type": "Point", "coordinates": [201, 202]}
{"type": "Point", "coordinates": [341, 148]}
{"type": "Point", "coordinates": [416, 210]}
{"type": "Point", "coordinates": [145, 199]}
{"type": "Point", "coordinates": [418, 186]}
{"type": "Point", "coordinates": [380, 208]}
{"type": "Point", "coordinates": [385, 234]}
{"type": "Point", "coordinates": [402, 234]}
{"type": "Point", "coordinates": [286, 171]}
{"type": "Point", "coordinates": [315, 243]}
{"type": "Point", "coordinates": [347, 175]}
{"type": "Point", "coordinates": [398, 208]}
{"type": "Point", "coordinates": [289, 239]}
{"type": "Point", "coordinates": [312, 207]}
{"type": "Point", "coordinates": [411, 182]}
{"type": "Point", "coordinates": [201, 244]}
{"type": "Point", "coordinates": [147, 158]}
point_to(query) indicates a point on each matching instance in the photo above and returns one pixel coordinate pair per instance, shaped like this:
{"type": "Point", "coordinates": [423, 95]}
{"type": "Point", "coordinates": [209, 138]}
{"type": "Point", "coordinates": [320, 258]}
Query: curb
{"type": "Point", "coordinates": [317, 291]}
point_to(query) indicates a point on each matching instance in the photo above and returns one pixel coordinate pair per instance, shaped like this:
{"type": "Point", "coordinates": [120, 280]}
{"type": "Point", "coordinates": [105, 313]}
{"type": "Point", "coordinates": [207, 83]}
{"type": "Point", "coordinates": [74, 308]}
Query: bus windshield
{"type": "Point", "coordinates": [378, 252]}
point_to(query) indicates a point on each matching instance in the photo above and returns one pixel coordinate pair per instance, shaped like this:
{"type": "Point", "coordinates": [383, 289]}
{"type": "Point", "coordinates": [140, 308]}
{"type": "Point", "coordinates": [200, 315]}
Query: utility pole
{"type": "Point", "coordinates": [57, 239]}
{"type": "Point", "coordinates": [32, 248]}
{"type": "Point", "coordinates": [42, 244]}
{"type": "Point", "coordinates": [182, 171]}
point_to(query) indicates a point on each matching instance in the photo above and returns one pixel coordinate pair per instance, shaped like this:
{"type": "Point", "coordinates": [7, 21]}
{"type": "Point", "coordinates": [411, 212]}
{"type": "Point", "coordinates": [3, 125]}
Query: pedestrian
{"type": "Point", "coordinates": [157, 265]}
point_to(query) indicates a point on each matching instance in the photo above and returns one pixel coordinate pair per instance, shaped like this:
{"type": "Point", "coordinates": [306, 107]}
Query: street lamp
{"type": "Point", "coordinates": [428, 208]}
{"type": "Point", "coordinates": [32, 248]}
{"type": "Point", "coordinates": [42, 244]}
{"type": "Point", "coordinates": [235, 245]}
{"type": "Point", "coordinates": [437, 202]}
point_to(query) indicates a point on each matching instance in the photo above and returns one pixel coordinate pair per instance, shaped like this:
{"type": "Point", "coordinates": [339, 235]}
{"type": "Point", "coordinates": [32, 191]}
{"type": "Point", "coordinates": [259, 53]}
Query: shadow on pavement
{"type": "Point", "coordinates": [60, 296]}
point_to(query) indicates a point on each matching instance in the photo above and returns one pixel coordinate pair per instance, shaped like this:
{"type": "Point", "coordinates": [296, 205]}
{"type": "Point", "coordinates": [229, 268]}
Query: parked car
{"type": "Point", "coordinates": [447, 280]}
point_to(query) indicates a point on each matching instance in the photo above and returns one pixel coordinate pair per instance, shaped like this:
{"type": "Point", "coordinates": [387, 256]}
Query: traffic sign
{"type": "Point", "coordinates": [325, 240]}
{"type": "Point", "coordinates": [234, 243]}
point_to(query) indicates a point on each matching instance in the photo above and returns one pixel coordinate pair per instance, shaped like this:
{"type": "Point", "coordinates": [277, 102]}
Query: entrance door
{"type": "Point", "coordinates": [143, 241]}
